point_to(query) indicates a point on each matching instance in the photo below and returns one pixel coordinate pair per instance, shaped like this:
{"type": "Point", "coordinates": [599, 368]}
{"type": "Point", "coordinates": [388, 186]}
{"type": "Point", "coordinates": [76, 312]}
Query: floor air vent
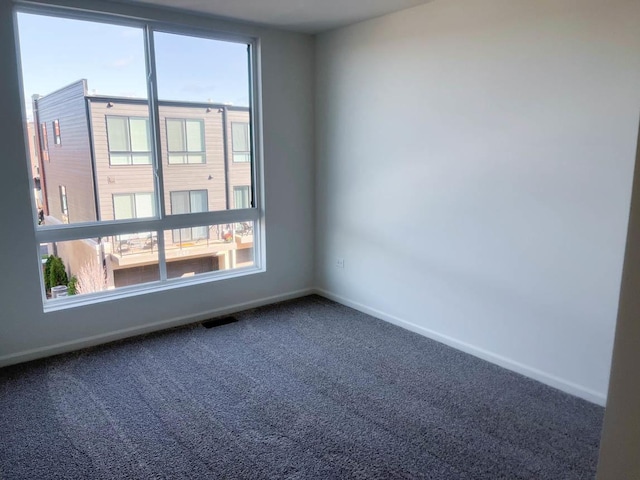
{"type": "Point", "coordinates": [216, 322]}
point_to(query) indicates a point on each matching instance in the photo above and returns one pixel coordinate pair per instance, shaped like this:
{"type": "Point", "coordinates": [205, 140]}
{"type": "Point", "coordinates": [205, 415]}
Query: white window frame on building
{"type": "Point", "coordinates": [164, 221]}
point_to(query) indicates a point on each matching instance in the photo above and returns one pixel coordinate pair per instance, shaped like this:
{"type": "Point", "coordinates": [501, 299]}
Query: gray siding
{"type": "Point", "coordinates": [210, 176]}
{"type": "Point", "coordinates": [69, 163]}
{"type": "Point", "coordinates": [196, 176]}
{"type": "Point", "coordinates": [116, 179]}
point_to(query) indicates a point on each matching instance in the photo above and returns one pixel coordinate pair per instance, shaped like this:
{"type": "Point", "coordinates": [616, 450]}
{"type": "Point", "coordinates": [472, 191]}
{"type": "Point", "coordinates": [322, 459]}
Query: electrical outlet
{"type": "Point", "coordinates": [339, 262]}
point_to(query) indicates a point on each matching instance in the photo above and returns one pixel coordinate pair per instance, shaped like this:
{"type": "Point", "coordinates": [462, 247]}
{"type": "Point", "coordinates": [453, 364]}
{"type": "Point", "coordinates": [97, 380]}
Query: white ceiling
{"type": "Point", "coordinates": [309, 16]}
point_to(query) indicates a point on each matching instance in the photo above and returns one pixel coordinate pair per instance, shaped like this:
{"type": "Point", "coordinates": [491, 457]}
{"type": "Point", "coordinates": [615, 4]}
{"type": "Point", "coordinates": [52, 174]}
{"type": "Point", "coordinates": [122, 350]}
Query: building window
{"type": "Point", "coordinates": [129, 140]}
{"type": "Point", "coordinates": [185, 140]}
{"type": "Point", "coordinates": [138, 229]}
{"type": "Point", "coordinates": [56, 132]}
{"type": "Point", "coordinates": [44, 141]}
{"type": "Point", "coordinates": [241, 197]}
{"type": "Point", "coordinates": [133, 205]}
{"type": "Point", "coordinates": [64, 205]}
{"type": "Point", "coordinates": [241, 141]}
{"type": "Point", "coordinates": [192, 201]}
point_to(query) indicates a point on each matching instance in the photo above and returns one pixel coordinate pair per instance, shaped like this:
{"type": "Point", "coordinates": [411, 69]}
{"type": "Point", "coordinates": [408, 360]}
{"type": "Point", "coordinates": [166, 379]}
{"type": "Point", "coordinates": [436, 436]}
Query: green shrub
{"type": "Point", "coordinates": [47, 272]}
{"type": "Point", "coordinates": [73, 285]}
{"type": "Point", "coordinates": [57, 273]}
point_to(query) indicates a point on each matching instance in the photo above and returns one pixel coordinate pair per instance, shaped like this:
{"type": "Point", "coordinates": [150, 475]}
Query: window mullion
{"type": "Point", "coordinates": [253, 91]}
{"type": "Point", "coordinates": [128, 138]}
{"type": "Point", "coordinates": [186, 220]}
{"type": "Point", "coordinates": [185, 146]}
{"type": "Point", "coordinates": [61, 233]}
{"type": "Point", "coordinates": [154, 117]}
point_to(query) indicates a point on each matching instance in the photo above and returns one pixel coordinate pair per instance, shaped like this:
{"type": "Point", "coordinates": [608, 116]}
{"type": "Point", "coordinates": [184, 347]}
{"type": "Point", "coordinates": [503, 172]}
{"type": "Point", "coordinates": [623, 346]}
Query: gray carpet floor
{"type": "Point", "coordinates": [302, 389]}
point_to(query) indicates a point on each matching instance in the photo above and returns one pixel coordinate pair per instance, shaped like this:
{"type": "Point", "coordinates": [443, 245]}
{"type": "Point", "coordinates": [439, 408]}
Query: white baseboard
{"type": "Point", "coordinates": [91, 341]}
{"type": "Point", "coordinates": [543, 377]}
{"type": "Point", "coordinates": [546, 378]}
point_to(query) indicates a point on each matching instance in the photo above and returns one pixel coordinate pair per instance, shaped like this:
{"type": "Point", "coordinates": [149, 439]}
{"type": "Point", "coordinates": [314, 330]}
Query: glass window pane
{"type": "Point", "coordinates": [118, 132]}
{"type": "Point", "coordinates": [123, 207]}
{"type": "Point", "coordinates": [119, 159]}
{"type": "Point", "coordinates": [176, 158]}
{"type": "Point", "coordinates": [209, 248]}
{"type": "Point", "coordinates": [241, 197]}
{"type": "Point", "coordinates": [180, 202]}
{"type": "Point", "coordinates": [217, 70]}
{"type": "Point", "coordinates": [240, 137]}
{"type": "Point", "coordinates": [181, 235]}
{"type": "Point", "coordinates": [197, 111]}
{"type": "Point", "coordinates": [63, 199]}
{"type": "Point", "coordinates": [241, 157]}
{"type": "Point", "coordinates": [195, 136]}
{"type": "Point", "coordinates": [195, 158]}
{"type": "Point", "coordinates": [91, 86]}
{"type": "Point", "coordinates": [90, 265]}
{"type": "Point", "coordinates": [199, 201]}
{"type": "Point", "coordinates": [141, 159]}
{"type": "Point", "coordinates": [199, 233]}
{"type": "Point", "coordinates": [175, 136]}
{"type": "Point", "coordinates": [139, 135]}
{"type": "Point", "coordinates": [144, 205]}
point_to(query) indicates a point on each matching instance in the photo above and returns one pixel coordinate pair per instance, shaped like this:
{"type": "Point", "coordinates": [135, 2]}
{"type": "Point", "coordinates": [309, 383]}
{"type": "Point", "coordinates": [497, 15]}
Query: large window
{"type": "Point", "coordinates": [185, 141]}
{"type": "Point", "coordinates": [139, 222]}
{"type": "Point", "coordinates": [241, 142]}
{"type": "Point", "coordinates": [189, 202]}
{"type": "Point", "coordinates": [133, 205]}
{"type": "Point", "coordinates": [193, 201]}
{"type": "Point", "coordinates": [129, 142]}
{"type": "Point", "coordinates": [241, 197]}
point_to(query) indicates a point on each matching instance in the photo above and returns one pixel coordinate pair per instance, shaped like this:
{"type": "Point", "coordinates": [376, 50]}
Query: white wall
{"type": "Point", "coordinates": [474, 166]}
{"type": "Point", "coordinates": [287, 81]}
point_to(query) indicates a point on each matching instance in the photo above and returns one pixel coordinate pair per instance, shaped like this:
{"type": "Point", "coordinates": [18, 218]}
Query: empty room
{"type": "Point", "coordinates": [320, 239]}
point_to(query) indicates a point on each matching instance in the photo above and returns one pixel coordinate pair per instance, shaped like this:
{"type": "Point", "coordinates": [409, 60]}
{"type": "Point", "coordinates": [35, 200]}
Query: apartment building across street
{"type": "Point", "coordinates": [94, 164]}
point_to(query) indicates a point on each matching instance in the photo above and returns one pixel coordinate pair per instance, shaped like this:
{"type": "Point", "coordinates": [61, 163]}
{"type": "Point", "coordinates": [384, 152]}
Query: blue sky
{"type": "Point", "coordinates": [56, 52]}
